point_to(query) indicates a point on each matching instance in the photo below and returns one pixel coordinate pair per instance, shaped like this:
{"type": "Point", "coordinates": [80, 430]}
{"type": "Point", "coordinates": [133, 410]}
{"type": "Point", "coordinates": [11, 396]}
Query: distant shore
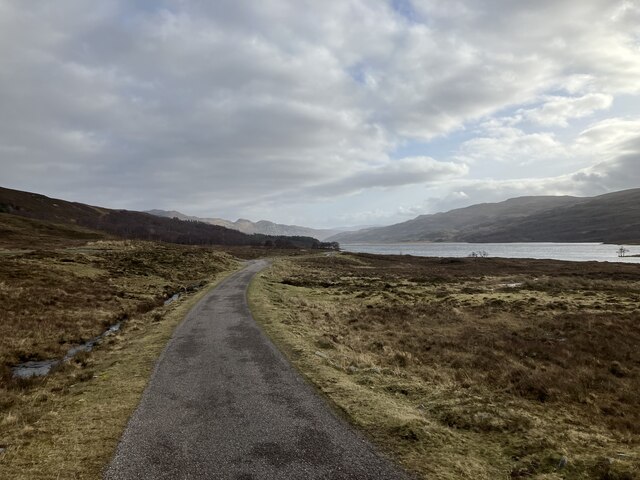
{"type": "Point", "coordinates": [577, 252]}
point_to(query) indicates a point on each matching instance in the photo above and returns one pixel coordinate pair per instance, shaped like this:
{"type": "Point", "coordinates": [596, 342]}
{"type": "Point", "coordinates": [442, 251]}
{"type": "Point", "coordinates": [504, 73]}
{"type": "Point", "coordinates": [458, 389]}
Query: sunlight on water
{"type": "Point", "coordinates": [577, 252]}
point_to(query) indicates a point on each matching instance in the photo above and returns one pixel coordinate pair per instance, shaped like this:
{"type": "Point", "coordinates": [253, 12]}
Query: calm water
{"type": "Point", "coordinates": [577, 252]}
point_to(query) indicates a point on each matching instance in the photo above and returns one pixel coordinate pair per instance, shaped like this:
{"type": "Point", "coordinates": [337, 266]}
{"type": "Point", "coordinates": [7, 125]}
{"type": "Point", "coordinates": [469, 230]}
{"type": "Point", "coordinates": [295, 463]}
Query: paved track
{"type": "Point", "coordinates": [223, 403]}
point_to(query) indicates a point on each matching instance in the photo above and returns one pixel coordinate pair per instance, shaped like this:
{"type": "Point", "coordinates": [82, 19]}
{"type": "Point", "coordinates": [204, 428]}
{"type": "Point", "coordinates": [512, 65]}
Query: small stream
{"type": "Point", "coordinates": [38, 368]}
{"type": "Point", "coordinates": [171, 299]}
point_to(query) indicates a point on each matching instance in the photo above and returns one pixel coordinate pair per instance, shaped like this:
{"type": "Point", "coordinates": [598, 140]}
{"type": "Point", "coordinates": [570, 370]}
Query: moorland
{"type": "Point", "coordinates": [470, 367]}
{"type": "Point", "coordinates": [59, 286]}
{"type": "Point", "coordinates": [457, 367]}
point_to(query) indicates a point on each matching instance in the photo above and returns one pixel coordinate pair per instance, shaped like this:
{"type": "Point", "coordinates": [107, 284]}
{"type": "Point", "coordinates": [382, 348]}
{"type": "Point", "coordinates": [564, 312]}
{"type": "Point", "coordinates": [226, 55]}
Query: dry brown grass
{"type": "Point", "coordinates": [471, 368]}
{"type": "Point", "coordinates": [25, 233]}
{"type": "Point", "coordinates": [53, 299]}
{"type": "Point", "coordinates": [67, 424]}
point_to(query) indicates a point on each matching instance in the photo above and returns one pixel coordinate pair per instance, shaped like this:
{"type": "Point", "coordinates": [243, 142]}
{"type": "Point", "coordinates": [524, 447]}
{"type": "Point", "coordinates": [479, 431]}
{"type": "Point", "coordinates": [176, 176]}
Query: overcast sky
{"type": "Point", "coordinates": [319, 113]}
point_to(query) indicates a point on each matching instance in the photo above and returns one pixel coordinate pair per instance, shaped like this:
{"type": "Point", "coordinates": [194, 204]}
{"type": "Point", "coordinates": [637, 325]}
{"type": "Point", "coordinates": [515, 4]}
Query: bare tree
{"type": "Point", "coordinates": [622, 252]}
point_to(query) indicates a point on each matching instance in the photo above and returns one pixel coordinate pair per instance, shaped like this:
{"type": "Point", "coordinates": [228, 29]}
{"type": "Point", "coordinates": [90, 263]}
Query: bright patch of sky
{"type": "Point", "coordinates": [320, 114]}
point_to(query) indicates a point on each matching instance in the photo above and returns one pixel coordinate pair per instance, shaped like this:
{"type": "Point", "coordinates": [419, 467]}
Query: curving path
{"type": "Point", "coordinates": [223, 403]}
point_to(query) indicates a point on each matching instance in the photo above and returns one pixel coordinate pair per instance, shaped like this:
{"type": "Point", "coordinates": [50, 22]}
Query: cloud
{"type": "Point", "coordinates": [406, 171]}
{"type": "Point", "coordinates": [394, 173]}
{"type": "Point", "coordinates": [557, 111]}
{"type": "Point", "coordinates": [509, 144]}
{"type": "Point", "coordinates": [211, 106]}
{"type": "Point", "coordinates": [610, 137]}
{"type": "Point", "coordinates": [617, 142]}
{"type": "Point", "coordinates": [612, 148]}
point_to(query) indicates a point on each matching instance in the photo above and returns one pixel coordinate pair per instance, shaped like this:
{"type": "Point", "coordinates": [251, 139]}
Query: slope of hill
{"type": "Point", "coordinates": [263, 227]}
{"type": "Point", "coordinates": [609, 218]}
{"type": "Point", "coordinates": [447, 226]}
{"type": "Point", "coordinates": [20, 232]}
{"type": "Point", "coordinates": [132, 224]}
{"type": "Point", "coordinates": [613, 218]}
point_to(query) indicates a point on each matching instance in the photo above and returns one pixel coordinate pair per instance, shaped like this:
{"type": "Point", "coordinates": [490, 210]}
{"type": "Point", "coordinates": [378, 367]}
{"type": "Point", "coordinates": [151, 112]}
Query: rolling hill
{"type": "Point", "coordinates": [263, 227]}
{"type": "Point", "coordinates": [133, 224]}
{"type": "Point", "coordinates": [611, 218]}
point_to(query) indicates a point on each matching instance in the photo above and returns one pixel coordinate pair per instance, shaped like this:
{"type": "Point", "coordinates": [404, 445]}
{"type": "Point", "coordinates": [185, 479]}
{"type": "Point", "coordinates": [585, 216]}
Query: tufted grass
{"type": "Point", "coordinates": [470, 368]}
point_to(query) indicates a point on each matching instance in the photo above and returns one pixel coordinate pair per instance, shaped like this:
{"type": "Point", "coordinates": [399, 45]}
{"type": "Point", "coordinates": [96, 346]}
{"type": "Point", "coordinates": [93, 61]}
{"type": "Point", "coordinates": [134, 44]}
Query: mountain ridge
{"type": "Point", "coordinates": [134, 224]}
{"type": "Point", "coordinates": [264, 227]}
{"type": "Point", "coordinates": [610, 218]}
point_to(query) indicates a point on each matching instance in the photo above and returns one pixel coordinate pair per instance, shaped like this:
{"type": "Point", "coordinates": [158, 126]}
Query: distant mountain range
{"type": "Point", "coordinates": [609, 218]}
{"type": "Point", "coordinates": [262, 227]}
{"type": "Point", "coordinates": [136, 225]}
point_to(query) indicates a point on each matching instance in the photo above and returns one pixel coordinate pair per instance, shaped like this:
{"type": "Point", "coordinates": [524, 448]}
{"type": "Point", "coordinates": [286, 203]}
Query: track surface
{"type": "Point", "coordinates": [223, 403]}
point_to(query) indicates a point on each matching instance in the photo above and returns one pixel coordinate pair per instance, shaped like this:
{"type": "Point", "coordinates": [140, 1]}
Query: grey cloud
{"type": "Point", "coordinates": [407, 171]}
{"type": "Point", "coordinates": [213, 105]}
{"type": "Point", "coordinates": [396, 173]}
{"type": "Point", "coordinates": [618, 171]}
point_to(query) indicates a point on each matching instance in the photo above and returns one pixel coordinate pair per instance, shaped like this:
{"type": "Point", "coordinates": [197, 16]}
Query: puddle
{"type": "Point", "coordinates": [171, 299]}
{"type": "Point", "coordinates": [43, 367]}
{"type": "Point", "coordinates": [34, 369]}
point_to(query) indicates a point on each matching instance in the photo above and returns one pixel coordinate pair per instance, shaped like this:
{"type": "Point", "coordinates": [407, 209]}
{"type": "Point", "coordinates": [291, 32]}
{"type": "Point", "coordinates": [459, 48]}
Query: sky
{"type": "Point", "coordinates": [323, 114]}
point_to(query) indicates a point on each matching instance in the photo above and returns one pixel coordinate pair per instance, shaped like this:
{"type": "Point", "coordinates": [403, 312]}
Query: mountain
{"type": "Point", "coordinates": [609, 218]}
{"type": "Point", "coordinates": [612, 218]}
{"type": "Point", "coordinates": [247, 226]}
{"type": "Point", "coordinates": [132, 224]}
{"type": "Point", "coordinates": [448, 226]}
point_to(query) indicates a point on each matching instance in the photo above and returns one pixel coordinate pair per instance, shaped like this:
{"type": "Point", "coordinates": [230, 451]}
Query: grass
{"type": "Point", "coordinates": [68, 425]}
{"type": "Point", "coordinates": [24, 233]}
{"type": "Point", "coordinates": [53, 299]}
{"type": "Point", "coordinates": [64, 291]}
{"type": "Point", "coordinates": [470, 368]}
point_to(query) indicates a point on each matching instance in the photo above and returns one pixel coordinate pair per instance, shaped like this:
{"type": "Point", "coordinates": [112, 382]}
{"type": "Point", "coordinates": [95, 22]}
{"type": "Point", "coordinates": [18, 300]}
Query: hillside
{"type": "Point", "coordinates": [135, 225]}
{"type": "Point", "coordinates": [612, 218]}
{"type": "Point", "coordinates": [20, 232]}
{"type": "Point", "coordinates": [263, 227]}
{"type": "Point", "coordinates": [448, 226]}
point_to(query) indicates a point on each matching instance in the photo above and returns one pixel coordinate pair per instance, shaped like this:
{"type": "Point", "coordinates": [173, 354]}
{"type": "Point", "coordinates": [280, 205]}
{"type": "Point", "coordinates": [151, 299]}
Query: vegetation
{"type": "Point", "coordinates": [610, 218]}
{"type": "Point", "coordinates": [137, 225]}
{"type": "Point", "coordinates": [462, 368]}
{"type": "Point", "coordinates": [57, 290]}
{"type": "Point", "coordinates": [622, 251]}
{"type": "Point", "coordinates": [470, 368]}
{"type": "Point", "coordinates": [247, 226]}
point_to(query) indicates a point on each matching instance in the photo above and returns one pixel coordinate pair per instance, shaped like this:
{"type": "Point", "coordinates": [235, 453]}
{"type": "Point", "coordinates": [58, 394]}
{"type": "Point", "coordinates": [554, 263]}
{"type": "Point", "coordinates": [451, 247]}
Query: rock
{"type": "Point", "coordinates": [563, 462]}
{"type": "Point", "coordinates": [321, 354]}
{"type": "Point", "coordinates": [352, 369]}
{"type": "Point", "coordinates": [618, 370]}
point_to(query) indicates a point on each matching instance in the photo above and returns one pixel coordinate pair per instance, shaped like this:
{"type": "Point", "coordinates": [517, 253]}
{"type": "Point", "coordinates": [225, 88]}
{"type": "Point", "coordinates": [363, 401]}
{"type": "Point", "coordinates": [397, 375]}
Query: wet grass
{"type": "Point", "coordinates": [470, 368]}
